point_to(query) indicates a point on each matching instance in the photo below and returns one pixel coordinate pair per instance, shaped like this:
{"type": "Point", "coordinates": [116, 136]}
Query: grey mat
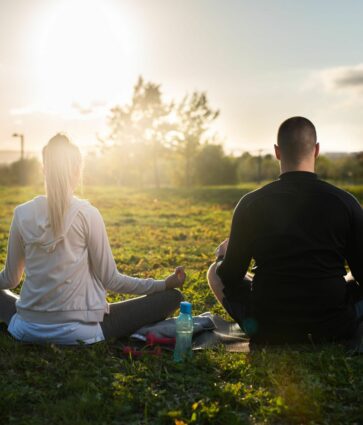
{"type": "Point", "coordinates": [210, 330]}
{"type": "Point", "coordinates": [234, 339]}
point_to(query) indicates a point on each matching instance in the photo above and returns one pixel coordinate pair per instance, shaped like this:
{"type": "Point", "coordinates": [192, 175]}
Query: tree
{"type": "Point", "coordinates": [151, 116]}
{"type": "Point", "coordinates": [138, 130]}
{"type": "Point", "coordinates": [22, 172]}
{"type": "Point", "coordinates": [123, 138]}
{"type": "Point", "coordinates": [257, 168]}
{"type": "Point", "coordinates": [214, 167]}
{"type": "Point", "coordinates": [270, 168]}
{"type": "Point", "coordinates": [357, 167]}
{"type": "Point", "coordinates": [194, 117]}
{"type": "Point", "coordinates": [247, 167]}
{"type": "Point", "coordinates": [325, 167]}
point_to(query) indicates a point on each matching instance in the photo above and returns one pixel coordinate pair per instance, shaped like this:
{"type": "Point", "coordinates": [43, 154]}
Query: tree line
{"type": "Point", "coordinates": [152, 142]}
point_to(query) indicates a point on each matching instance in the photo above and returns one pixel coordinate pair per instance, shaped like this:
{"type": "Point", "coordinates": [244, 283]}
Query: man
{"type": "Point", "coordinates": [299, 231]}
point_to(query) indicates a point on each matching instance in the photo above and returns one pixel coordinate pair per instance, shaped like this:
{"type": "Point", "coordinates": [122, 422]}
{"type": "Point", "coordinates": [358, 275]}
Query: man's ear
{"type": "Point", "coordinates": [277, 152]}
{"type": "Point", "coordinates": [317, 150]}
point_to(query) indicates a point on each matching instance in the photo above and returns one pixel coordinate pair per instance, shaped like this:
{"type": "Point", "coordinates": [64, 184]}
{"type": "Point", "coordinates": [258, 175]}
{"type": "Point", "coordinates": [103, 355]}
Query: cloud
{"type": "Point", "coordinates": [353, 79]}
{"type": "Point", "coordinates": [93, 108]}
{"type": "Point", "coordinates": [340, 87]}
{"type": "Point", "coordinates": [24, 110]}
{"type": "Point", "coordinates": [83, 110]}
{"type": "Point", "coordinates": [36, 109]}
{"type": "Point", "coordinates": [343, 78]}
{"type": "Point", "coordinates": [73, 111]}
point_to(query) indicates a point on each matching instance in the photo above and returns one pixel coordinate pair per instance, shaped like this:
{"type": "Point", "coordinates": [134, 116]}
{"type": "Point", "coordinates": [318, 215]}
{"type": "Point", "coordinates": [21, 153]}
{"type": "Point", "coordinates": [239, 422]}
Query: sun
{"type": "Point", "coordinates": [84, 54]}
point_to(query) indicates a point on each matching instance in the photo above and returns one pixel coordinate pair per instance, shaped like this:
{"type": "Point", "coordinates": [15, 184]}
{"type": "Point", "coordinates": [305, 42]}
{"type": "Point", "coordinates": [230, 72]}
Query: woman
{"type": "Point", "coordinates": [62, 243]}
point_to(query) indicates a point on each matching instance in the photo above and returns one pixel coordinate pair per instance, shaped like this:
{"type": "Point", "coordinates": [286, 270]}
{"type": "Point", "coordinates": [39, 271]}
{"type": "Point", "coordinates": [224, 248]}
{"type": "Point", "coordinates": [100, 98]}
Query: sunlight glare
{"type": "Point", "coordinates": [85, 54]}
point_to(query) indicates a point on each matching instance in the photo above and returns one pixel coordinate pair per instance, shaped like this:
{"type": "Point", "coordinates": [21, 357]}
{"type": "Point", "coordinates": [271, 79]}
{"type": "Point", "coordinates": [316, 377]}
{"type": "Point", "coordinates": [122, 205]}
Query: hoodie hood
{"type": "Point", "coordinates": [33, 221]}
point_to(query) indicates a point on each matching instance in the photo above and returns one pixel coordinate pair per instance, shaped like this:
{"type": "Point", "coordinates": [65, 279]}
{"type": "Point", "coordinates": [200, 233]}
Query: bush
{"type": "Point", "coordinates": [24, 172]}
{"type": "Point", "coordinates": [213, 167]}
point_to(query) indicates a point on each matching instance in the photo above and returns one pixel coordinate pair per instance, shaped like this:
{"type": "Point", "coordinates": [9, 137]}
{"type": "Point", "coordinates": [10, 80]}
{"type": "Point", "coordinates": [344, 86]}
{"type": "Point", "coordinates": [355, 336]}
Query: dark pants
{"type": "Point", "coordinates": [240, 307]}
{"type": "Point", "coordinates": [125, 317]}
{"type": "Point", "coordinates": [355, 297]}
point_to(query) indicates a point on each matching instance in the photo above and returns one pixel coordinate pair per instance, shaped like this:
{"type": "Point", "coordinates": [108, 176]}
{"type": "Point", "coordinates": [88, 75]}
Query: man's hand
{"type": "Point", "coordinates": [222, 249]}
{"type": "Point", "coordinates": [176, 279]}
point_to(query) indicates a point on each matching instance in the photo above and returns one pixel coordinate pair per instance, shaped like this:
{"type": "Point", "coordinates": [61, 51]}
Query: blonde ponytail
{"type": "Point", "coordinates": [62, 169]}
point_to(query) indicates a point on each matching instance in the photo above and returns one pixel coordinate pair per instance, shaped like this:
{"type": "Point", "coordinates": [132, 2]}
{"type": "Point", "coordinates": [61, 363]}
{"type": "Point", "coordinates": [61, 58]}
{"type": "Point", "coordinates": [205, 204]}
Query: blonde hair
{"type": "Point", "coordinates": [62, 162]}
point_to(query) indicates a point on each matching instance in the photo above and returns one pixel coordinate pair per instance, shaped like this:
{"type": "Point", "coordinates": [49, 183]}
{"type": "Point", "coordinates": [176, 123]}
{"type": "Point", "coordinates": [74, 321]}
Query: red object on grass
{"type": "Point", "coordinates": [151, 339]}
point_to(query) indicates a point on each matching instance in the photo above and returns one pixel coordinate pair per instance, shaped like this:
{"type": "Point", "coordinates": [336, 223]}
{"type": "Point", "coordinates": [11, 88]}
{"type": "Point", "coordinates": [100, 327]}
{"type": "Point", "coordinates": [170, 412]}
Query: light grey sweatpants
{"type": "Point", "coordinates": [125, 317]}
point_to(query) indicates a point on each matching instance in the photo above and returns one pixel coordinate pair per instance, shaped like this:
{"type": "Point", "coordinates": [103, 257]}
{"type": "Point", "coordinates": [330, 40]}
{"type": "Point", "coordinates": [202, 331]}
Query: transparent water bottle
{"type": "Point", "coordinates": [184, 333]}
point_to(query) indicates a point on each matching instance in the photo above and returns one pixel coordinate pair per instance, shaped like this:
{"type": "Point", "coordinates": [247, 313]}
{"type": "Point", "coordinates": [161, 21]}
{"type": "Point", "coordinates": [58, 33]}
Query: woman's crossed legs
{"type": "Point", "coordinates": [125, 317]}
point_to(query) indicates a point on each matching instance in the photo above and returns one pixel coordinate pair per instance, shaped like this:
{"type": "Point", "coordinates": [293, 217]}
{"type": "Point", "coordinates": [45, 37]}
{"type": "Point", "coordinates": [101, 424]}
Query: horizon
{"type": "Point", "coordinates": [10, 156]}
{"type": "Point", "coordinates": [65, 63]}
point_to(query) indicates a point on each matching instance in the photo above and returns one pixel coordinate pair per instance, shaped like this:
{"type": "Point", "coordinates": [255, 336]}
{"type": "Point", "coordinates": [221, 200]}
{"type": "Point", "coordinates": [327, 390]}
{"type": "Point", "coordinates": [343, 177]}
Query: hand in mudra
{"type": "Point", "coordinates": [222, 248]}
{"type": "Point", "coordinates": [176, 279]}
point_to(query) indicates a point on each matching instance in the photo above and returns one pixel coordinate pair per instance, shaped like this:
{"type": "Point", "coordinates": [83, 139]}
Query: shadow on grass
{"type": "Point", "coordinates": [97, 385]}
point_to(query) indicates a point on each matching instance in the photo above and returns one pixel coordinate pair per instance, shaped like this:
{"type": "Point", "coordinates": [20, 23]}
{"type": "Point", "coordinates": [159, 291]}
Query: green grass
{"type": "Point", "coordinates": [151, 232]}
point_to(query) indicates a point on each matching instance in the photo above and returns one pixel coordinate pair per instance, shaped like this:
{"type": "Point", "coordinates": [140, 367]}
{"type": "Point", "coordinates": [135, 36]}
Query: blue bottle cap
{"type": "Point", "coordinates": [185, 307]}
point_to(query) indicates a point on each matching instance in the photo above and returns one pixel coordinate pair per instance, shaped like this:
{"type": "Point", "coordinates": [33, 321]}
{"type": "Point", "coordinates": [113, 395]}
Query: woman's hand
{"type": "Point", "coordinates": [222, 249]}
{"type": "Point", "coordinates": [176, 279]}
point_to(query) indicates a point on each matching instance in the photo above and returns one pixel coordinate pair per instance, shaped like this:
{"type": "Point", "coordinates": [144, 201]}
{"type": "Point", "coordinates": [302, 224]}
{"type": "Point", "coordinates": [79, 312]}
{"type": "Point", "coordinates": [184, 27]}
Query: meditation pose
{"type": "Point", "coordinates": [300, 233]}
{"type": "Point", "coordinates": [62, 244]}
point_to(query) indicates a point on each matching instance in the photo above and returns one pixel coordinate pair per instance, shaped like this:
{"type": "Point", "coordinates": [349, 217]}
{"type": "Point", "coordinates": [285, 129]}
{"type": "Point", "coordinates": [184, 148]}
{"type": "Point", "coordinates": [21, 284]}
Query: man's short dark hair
{"type": "Point", "coordinates": [296, 138]}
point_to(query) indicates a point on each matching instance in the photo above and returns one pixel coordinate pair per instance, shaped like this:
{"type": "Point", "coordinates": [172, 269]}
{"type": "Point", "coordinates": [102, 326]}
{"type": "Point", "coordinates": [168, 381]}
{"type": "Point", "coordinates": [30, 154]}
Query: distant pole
{"type": "Point", "coordinates": [21, 169]}
{"type": "Point", "coordinates": [259, 165]}
{"type": "Point", "coordinates": [21, 136]}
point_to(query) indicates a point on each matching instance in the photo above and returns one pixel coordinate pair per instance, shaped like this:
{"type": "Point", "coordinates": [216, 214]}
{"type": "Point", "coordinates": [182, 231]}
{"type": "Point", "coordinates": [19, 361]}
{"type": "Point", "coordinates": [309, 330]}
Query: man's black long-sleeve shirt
{"type": "Point", "coordinates": [300, 231]}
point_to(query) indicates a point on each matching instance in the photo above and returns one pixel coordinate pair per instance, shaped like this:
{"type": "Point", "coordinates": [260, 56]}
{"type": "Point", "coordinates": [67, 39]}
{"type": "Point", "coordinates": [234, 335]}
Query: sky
{"type": "Point", "coordinates": [65, 63]}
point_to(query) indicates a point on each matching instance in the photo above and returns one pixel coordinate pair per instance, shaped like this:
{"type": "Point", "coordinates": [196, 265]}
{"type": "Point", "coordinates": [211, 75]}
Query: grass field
{"type": "Point", "coordinates": [150, 233]}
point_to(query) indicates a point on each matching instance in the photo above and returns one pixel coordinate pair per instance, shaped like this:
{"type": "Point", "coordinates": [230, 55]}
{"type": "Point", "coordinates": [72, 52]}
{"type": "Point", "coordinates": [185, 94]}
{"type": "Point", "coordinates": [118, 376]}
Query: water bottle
{"type": "Point", "coordinates": [184, 332]}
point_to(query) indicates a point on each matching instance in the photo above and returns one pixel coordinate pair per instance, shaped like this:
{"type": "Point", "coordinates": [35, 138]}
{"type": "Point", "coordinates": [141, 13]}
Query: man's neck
{"type": "Point", "coordinates": [286, 168]}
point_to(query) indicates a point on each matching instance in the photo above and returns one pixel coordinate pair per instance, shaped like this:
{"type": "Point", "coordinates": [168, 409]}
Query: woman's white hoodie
{"type": "Point", "coordinates": [66, 277]}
